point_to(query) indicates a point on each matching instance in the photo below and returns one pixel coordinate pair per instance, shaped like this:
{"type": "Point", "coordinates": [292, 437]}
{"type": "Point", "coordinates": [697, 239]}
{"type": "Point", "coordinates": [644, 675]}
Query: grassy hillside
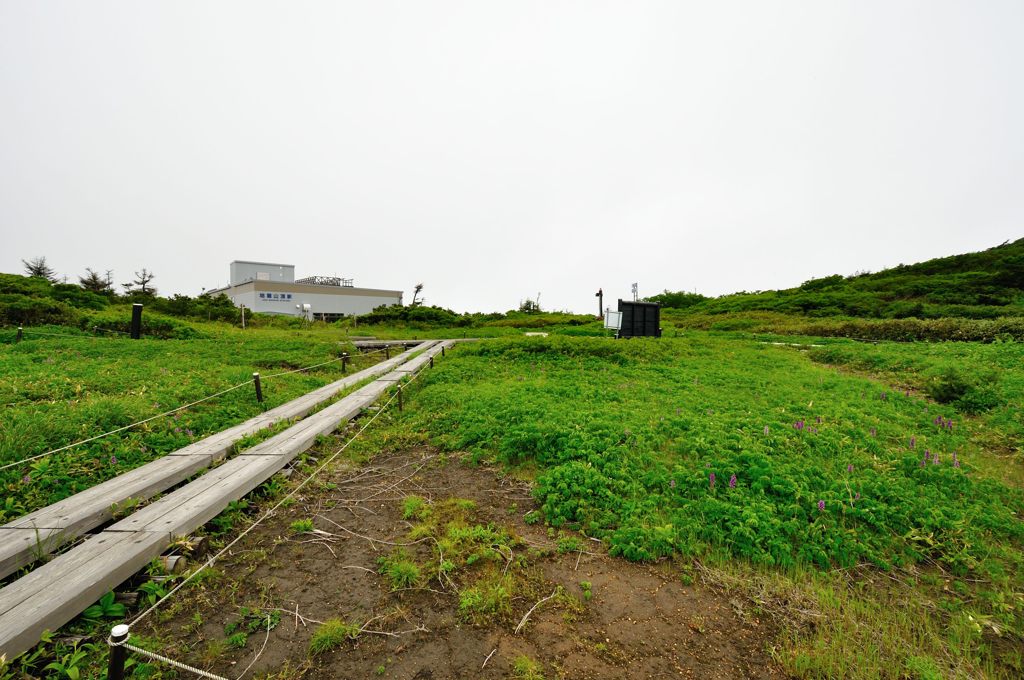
{"type": "Point", "coordinates": [984, 285]}
{"type": "Point", "coordinates": [821, 495]}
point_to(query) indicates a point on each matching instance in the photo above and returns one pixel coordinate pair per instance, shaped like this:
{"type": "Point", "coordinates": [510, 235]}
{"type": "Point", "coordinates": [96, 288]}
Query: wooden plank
{"type": "Point", "coordinates": [53, 594]}
{"type": "Point", "coordinates": [198, 502]}
{"type": "Point", "coordinates": [19, 547]}
{"type": "Point", "coordinates": [58, 591]}
{"type": "Point", "coordinates": [91, 508]}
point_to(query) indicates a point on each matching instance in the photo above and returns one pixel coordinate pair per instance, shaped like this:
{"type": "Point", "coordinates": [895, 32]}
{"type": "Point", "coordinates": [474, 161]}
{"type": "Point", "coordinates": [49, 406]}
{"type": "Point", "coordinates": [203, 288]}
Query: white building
{"type": "Point", "coordinates": [271, 288]}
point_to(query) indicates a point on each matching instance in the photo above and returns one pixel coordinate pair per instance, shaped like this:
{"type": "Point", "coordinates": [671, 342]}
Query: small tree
{"type": "Point", "coordinates": [37, 267]}
{"type": "Point", "coordinates": [417, 289]}
{"type": "Point", "coordinates": [93, 281]}
{"type": "Point", "coordinates": [141, 283]}
{"type": "Point", "coordinates": [529, 306]}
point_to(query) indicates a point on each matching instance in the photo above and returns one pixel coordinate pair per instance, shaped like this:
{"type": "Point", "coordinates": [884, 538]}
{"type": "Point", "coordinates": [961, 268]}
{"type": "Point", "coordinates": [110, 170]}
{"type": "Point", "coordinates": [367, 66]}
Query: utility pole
{"type": "Point", "coordinates": [634, 292]}
{"type": "Point", "coordinates": [600, 302]}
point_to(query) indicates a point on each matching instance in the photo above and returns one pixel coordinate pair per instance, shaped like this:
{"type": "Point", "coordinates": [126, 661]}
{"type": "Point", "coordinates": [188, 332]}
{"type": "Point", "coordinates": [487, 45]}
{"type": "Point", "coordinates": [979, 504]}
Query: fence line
{"type": "Point", "coordinates": [162, 415]}
{"type": "Point", "coordinates": [211, 561]}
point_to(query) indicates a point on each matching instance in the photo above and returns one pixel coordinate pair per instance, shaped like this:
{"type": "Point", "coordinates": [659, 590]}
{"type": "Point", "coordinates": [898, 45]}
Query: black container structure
{"type": "Point", "coordinates": [639, 319]}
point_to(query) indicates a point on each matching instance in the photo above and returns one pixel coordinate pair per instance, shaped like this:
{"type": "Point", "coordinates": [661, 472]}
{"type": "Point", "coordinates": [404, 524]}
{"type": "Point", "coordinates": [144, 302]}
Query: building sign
{"type": "Point", "coordinates": [276, 297]}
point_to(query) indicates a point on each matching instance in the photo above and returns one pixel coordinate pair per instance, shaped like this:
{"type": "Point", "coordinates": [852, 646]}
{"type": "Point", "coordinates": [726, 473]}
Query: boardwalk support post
{"type": "Point", "coordinates": [118, 652]}
{"type": "Point", "coordinates": [387, 351]}
{"type": "Point", "coordinates": [136, 329]}
{"type": "Point", "coordinates": [21, 334]}
{"type": "Point", "coordinates": [431, 362]}
{"type": "Point", "coordinates": [399, 397]}
{"type": "Point", "coordinates": [442, 350]}
{"type": "Point", "coordinates": [344, 362]}
{"type": "Point", "coordinates": [259, 388]}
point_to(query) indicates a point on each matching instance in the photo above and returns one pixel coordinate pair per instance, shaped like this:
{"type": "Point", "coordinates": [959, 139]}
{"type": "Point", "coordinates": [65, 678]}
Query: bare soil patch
{"type": "Point", "coordinates": [640, 621]}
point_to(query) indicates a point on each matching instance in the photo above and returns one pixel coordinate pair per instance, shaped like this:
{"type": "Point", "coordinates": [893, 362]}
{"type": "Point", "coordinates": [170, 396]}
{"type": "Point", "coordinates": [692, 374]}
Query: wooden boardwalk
{"type": "Point", "coordinates": [39, 533]}
{"type": "Point", "coordinates": [59, 590]}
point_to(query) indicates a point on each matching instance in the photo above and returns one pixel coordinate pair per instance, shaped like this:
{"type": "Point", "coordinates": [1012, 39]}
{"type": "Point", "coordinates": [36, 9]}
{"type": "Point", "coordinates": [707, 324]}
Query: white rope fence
{"type": "Point", "coordinates": [124, 629]}
{"type": "Point", "coordinates": [167, 413]}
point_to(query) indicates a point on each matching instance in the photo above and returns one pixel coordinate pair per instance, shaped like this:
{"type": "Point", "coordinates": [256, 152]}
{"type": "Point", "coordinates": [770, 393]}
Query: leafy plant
{"type": "Point", "coordinates": [107, 608]}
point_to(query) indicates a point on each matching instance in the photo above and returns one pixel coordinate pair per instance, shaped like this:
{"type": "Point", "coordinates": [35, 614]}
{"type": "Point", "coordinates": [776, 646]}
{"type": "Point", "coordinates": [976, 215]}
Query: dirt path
{"type": "Point", "coordinates": [459, 616]}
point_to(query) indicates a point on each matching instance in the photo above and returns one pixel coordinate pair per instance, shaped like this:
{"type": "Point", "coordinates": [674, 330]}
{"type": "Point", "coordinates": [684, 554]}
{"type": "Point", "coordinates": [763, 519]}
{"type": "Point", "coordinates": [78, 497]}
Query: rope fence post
{"type": "Point", "coordinates": [136, 329]}
{"type": "Point", "coordinates": [399, 397]}
{"type": "Point", "coordinates": [259, 388]}
{"type": "Point", "coordinates": [431, 362]}
{"type": "Point", "coordinates": [21, 334]}
{"type": "Point", "coordinates": [387, 351]}
{"type": "Point", "coordinates": [344, 362]}
{"type": "Point", "coordinates": [118, 652]}
{"type": "Point", "coordinates": [442, 350]}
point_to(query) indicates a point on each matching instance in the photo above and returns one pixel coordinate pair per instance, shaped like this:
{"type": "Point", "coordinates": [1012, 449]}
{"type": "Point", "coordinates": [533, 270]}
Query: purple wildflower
{"type": "Point", "coordinates": [913, 442]}
{"type": "Point", "coordinates": [884, 396]}
{"type": "Point", "coordinates": [849, 467]}
{"type": "Point", "coordinates": [189, 432]}
{"type": "Point", "coordinates": [177, 430]}
{"type": "Point", "coordinates": [799, 425]}
{"type": "Point", "coordinates": [874, 432]}
{"type": "Point", "coordinates": [765, 430]}
{"type": "Point", "coordinates": [922, 462]}
{"type": "Point", "coordinates": [935, 459]}
{"type": "Point", "coordinates": [819, 420]}
{"type": "Point", "coordinates": [26, 479]}
{"type": "Point", "coordinates": [856, 496]}
{"type": "Point", "coordinates": [956, 461]}
{"type": "Point", "coordinates": [711, 480]}
{"type": "Point", "coordinates": [672, 484]}
{"type": "Point", "coordinates": [927, 454]}
{"type": "Point", "coordinates": [821, 506]}
{"type": "Point", "coordinates": [732, 482]}
{"type": "Point", "coordinates": [113, 460]}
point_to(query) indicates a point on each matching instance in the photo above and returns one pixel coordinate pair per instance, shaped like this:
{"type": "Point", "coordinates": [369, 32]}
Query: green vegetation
{"type": "Point", "coordinates": [332, 634]}
{"type": "Point", "coordinates": [525, 668]}
{"type": "Point", "coordinates": [401, 571]}
{"type": "Point", "coordinates": [734, 453]}
{"type": "Point", "coordinates": [105, 608]}
{"type": "Point", "coordinates": [301, 526]}
{"type": "Point", "coordinates": [55, 391]}
{"type": "Point", "coordinates": [983, 285]}
{"type": "Point", "coordinates": [415, 507]}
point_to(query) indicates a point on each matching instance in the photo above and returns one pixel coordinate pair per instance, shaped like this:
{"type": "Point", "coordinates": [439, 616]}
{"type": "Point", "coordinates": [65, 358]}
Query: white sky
{"type": "Point", "coordinates": [497, 150]}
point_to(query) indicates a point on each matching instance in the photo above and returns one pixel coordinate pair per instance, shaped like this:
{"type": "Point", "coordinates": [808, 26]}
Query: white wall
{"type": "Point", "coordinates": [250, 271]}
{"type": "Point", "coordinates": [320, 303]}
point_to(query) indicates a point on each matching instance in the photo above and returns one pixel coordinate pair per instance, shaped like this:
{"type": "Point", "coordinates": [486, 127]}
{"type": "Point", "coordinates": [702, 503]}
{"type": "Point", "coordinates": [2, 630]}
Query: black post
{"type": "Point", "coordinates": [600, 302]}
{"type": "Point", "coordinates": [387, 351]}
{"type": "Point", "coordinates": [344, 362]}
{"type": "Point", "coordinates": [399, 397]}
{"type": "Point", "coordinates": [118, 653]}
{"type": "Point", "coordinates": [136, 321]}
{"type": "Point", "coordinates": [259, 388]}
{"type": "Point", "coordinates": [431, 362]}
{"type": "Point", "coordinates": [442, 350]}
{"type": "Point", "coordinates": [20, 335]}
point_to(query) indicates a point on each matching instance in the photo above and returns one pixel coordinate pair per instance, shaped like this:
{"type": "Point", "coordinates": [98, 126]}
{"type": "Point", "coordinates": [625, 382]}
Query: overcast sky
{"type": "Point", "coordinates": [496, 150]}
